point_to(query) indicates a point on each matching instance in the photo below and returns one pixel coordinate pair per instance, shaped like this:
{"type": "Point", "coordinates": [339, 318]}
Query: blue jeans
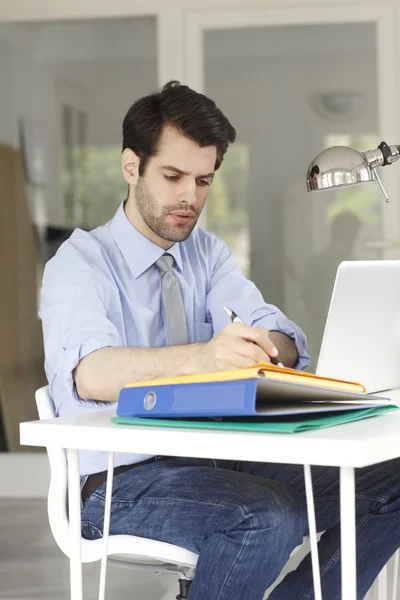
{"type": "Point", "coordinates": [244, 520]}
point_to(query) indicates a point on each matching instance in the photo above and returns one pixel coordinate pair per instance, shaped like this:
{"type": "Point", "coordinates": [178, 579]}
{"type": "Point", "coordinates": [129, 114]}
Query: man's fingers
{"type": "Point", "coordinates": [250, 350]}
{"type": "Point", "coordinates": [263, 340]}
{"type": "Point", "coordinates": [239, 362]}
{"type": "Point", "coordinates": [257, 335]}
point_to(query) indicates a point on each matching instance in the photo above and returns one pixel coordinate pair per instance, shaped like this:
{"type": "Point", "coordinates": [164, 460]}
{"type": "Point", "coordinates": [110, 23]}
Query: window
{"type": "Point", "coordinates": [227, 213]}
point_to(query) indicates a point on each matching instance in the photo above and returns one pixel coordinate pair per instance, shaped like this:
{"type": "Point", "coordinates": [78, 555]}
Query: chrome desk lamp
{"type": "Point", "coordinates": [340, 166]}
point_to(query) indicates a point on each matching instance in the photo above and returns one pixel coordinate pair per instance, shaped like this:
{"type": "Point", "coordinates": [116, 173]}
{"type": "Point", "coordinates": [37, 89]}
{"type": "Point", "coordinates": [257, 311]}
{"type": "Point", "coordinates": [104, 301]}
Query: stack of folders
{"type": "Point", "coordinates": [261, 398]}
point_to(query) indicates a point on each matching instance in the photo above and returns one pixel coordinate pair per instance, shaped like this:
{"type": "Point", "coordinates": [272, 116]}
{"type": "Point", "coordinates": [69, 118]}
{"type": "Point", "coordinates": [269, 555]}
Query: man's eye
{"type": "Point", "coordinates": [171, 177]}
{"type": "Point", "coordinates": [203, 182]}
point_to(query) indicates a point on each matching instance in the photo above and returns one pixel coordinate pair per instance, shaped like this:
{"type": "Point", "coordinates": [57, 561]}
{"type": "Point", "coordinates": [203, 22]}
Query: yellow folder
{"type": "Point", "coordinates": [262, 371]}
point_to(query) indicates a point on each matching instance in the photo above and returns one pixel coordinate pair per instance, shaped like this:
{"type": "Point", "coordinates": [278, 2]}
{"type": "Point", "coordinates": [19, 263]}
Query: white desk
{"type": "Point", "coordinates": [348, 446]}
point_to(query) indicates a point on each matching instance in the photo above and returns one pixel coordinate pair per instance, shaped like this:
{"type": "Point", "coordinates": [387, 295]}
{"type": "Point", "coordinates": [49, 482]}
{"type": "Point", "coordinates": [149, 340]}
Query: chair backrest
{"type": "Point", "coordinates": [152, 554]}
{"type": "Point", "coordinates": [57, 498]}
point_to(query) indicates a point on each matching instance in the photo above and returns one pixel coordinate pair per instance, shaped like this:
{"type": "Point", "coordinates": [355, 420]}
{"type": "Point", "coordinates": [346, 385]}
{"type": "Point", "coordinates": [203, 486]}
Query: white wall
{"type": "Point", "coordinates": [30, 93]}
{"type": "Point", "coordinates": [96, 40]}
{"type": "Point", "coordinates": [268, 99]}
{"type": "Point", "coordinates": [21, 10]}
{"type": "Point", "coordinates": [15, 98]}
{"type": "Point", "coordinates": [114, 60]}
{"type": "Point", "coordinates": [6, 124]}
{"type": "Point", "coordinates": [110, 63]}
{"type": "Point", "coordinates": [122, 82]}
{"type": "Point", "coordinates": [99, 67]}
{"type": "Point", "coordinates": [21, 77]}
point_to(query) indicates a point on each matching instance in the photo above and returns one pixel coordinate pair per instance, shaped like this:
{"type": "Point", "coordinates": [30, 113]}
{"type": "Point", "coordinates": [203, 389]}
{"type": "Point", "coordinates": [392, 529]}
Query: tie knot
{"type": "Point", "coordinates": [164, 263]}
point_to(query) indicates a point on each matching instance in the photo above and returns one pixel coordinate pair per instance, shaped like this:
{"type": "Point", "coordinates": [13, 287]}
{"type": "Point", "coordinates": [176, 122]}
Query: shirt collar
{"type": "Point", "coordinates": [139, 252]}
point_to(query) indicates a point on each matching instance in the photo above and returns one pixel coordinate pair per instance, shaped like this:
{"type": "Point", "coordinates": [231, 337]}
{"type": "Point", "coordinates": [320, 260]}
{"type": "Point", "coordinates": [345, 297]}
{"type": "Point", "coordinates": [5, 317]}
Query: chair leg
{"type": "Point", "coordinates": [395, 574]}
{"type": "Point", "coordinates": [382, 584]}
{"type": "Point", "coordinates": [184, 587]}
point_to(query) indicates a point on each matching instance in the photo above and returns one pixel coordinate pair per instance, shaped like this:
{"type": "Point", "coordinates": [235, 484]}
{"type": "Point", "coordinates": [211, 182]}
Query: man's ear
{"type": "Point", "coordinates": [130, 166]}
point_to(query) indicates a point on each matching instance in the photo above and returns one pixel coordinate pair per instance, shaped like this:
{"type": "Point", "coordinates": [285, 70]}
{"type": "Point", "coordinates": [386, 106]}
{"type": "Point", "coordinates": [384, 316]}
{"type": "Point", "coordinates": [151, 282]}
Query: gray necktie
{"type": "Point", "coordinates": [173, 303]}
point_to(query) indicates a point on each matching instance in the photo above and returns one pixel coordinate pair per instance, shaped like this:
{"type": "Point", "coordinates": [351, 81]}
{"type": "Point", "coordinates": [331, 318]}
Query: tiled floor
{"type": "Point", "coordinates": [32, 566]}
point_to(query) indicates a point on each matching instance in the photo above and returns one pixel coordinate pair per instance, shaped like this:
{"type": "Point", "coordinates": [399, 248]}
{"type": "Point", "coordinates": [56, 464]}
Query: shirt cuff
{"type": "Point", "coordinates": [71, 358]}
{"type": "Point", "coordinates": [284, 325]}
{"type": "Point", "coordinates": [296, 334]}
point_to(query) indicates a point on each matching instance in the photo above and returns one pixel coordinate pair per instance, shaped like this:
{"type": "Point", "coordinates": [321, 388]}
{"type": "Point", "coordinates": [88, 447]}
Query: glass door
{"type": "Point", "coordinates": [294, 83]}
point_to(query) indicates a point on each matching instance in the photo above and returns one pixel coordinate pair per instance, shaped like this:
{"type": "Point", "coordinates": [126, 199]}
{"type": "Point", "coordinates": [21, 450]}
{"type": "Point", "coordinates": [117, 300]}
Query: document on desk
{"type": "Point", "coordinates": [260, 393]}
{"type": "Point", "coordinates": [294, 424]}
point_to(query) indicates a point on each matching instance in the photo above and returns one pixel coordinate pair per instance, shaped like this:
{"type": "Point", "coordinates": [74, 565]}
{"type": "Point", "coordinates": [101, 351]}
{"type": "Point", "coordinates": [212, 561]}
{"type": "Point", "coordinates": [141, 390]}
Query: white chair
{"type": "Point", "coordinates": [385, 587]}
{"type": "Point", "coordinates": [138, 552]}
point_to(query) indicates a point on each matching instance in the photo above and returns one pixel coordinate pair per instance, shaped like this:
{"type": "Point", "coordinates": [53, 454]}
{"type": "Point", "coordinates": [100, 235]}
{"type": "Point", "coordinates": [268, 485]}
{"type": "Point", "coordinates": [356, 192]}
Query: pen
{"type": "Point", "coordinates": [236, 319]}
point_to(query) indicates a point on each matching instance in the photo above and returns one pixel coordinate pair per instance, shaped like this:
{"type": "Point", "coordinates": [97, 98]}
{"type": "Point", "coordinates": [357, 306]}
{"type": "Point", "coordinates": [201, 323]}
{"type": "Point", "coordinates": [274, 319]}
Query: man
{"type": "Point", "coordinates": [108, 320]}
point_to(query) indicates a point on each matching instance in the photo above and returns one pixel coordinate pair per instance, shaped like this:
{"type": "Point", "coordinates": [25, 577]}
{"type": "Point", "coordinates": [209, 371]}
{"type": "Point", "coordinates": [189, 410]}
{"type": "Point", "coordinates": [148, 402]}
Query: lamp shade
{"type": "Point", "coordinates": [338, 166]}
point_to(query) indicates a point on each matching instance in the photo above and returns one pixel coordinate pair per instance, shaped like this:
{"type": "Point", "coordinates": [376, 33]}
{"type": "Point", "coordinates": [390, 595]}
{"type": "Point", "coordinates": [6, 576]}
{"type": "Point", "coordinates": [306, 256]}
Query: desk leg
{"type": "Point", "coordinates": [106, 525]}
{"type": "Point", "coordinates": [74, 509]}
{"type": "Point", "coordinates": [348, 533]}
{"type": "Point", "coordinates": [312, 527]}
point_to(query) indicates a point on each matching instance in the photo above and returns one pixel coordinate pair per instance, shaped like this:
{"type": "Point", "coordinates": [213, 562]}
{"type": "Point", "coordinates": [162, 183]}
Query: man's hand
{"type": "Point", "coordinates": [237, 346]}
{"type": "Point", "coordinates": [103, 373]}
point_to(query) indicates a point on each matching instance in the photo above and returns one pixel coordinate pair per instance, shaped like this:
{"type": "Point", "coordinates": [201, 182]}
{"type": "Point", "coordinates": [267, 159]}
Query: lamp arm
{"type": "Point", "coordinates": [379, 181]}
{"type": "Point", "coordinates": [390, 153]}
{"type": "Point", "coordinates": [382, 156]}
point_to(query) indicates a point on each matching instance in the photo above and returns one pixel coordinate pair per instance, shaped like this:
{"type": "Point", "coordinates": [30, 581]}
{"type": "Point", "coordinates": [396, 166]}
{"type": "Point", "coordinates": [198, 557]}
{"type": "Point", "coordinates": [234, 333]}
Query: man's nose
{"type": "Point", "coordinates": [188, 192]}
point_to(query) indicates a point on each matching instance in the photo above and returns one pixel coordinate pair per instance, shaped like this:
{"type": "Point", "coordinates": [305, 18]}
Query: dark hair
{"type": "Point", "coordinates": [314, 171]}
{"type": "Point", "coordinates": [193, 114]}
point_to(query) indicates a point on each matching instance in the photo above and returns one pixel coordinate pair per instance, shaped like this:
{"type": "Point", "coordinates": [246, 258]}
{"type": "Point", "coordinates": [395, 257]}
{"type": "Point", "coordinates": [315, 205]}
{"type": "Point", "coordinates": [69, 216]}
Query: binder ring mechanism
{"type": "Point", "coordinates": [150, 400]}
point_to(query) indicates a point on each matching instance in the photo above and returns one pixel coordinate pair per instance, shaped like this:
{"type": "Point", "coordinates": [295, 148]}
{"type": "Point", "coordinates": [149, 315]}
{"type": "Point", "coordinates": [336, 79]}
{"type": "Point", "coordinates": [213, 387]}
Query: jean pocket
{"type": "Point", "coordinates": [204, 332]}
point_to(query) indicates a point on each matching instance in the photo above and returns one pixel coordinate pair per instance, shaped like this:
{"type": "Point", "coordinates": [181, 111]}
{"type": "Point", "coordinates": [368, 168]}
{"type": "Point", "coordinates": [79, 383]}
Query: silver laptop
{"type": "Point", "coordinates": [361, 340]}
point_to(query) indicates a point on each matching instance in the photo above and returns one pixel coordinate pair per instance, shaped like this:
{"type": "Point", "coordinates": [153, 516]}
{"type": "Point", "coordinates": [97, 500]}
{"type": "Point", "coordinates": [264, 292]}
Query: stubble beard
{"type": "Point", "coordinates": [148, 209]}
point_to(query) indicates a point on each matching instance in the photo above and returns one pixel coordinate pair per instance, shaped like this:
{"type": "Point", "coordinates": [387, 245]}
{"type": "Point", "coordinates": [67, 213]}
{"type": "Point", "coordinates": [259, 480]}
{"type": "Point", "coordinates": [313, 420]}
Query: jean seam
{"type": "Point", "coordinates": [359, 496]}
{"type": "Point", "coordinates": [384, 509]}
{"type": "Point", "coordinates": [244, 545]}
{"type": "Point", "coordinates": [381, 499]}
{"type": "Point", "coordinates": [158, 500]}
{"type": "Point", "coordinates": [244, 515]}
{"type": "Point", "coordinates": [333, 559]}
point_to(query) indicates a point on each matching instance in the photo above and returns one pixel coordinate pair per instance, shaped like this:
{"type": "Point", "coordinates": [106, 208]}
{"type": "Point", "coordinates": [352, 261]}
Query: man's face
{"type": "Point", "coordinates": [314, 181]}
{"type": "Point", "coordinates": [171, 194]}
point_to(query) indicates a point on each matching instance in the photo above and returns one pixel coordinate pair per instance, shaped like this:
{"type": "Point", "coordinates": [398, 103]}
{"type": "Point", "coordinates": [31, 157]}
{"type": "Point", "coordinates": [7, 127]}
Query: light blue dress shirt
{"type": "Point", "coordinates": [102, 289]}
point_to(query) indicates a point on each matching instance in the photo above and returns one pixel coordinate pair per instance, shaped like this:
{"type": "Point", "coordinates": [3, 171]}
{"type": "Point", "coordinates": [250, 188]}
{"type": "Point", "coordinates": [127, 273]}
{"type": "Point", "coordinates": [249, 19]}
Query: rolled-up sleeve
{"type": "Point", "coordinates": [73, 310]}
{"type": "Point", "coordinates": [231, 288]}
